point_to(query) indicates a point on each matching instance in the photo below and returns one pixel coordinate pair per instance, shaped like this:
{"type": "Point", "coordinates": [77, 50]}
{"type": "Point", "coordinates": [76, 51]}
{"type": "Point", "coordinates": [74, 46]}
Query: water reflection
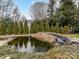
{"type": "Point", "coordinates": [23, 44]}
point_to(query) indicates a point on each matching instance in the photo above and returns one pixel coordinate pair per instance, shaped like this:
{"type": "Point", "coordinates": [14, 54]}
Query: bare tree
{"type": "Point", "coordinates": [38, 10]}
{"type": "Point", "coordinates": [16, 13]}
{"type": "Point", "coordinates": [6, 7]}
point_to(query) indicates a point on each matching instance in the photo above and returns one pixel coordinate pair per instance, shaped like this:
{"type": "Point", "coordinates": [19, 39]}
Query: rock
{"type": "Point", "coordinates": [44, 37]}
{"type": "Point", "coordinates": [61, 37]}
{"type": "Point", "coordinates": [5, 41]}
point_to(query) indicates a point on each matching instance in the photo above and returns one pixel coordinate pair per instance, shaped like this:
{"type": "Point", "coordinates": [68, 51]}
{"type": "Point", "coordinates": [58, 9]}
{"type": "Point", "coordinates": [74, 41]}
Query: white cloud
{"type": "Point", "coordinates": [33, 2]}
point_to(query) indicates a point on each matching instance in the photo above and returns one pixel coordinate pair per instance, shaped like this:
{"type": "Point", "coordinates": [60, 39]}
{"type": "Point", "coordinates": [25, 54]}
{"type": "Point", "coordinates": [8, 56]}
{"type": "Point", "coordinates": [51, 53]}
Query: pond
{"type": "Point", "coordinates": [22, 44]}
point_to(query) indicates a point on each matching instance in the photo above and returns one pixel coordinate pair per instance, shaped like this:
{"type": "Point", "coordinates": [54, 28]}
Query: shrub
{"type": "Point", "coordinates": [66, 29]}
{"type": "Point", "coordinates": [61, 30]}
{"type": "Point", "coordinates": [47, 28]}
{"type": "Point", "coordinates": [15, 29]}
{"type": "Point", "coordinates": [52, 28]}
{"type": "Point", "coordinates": [57, 29]}
{"type": "Point", "coordinates": [20, 27]}
{"type": "Point", "coordinates": [9, 29]}
{"type": "Point", "coordinates": [76, 28]}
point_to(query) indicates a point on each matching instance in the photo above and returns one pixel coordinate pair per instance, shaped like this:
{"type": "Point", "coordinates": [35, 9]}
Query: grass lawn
{"type": "Point", "coordinates": [73, 35]}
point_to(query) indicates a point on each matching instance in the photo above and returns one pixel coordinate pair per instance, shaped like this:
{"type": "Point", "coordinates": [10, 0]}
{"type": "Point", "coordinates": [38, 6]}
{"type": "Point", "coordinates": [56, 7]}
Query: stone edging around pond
{"type": "Point", "coordinates": [42, 36]}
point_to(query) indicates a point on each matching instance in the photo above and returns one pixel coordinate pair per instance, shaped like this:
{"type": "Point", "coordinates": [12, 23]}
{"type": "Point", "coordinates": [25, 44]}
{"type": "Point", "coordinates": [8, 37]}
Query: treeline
{"type": "Point", "coordinates": [63, 19]}
{"type": "Point", "coordinates": [13, 27]}
{"type": "Point", "coordinates": [43, 26]}
{"type": "Point", "coordinates": [19, 27]}
{"type": "Point", "coordinates": [66, 13]}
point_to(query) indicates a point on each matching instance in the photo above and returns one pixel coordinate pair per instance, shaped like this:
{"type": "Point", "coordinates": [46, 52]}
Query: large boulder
{"type": "Point", "coordinates": [45, 37]}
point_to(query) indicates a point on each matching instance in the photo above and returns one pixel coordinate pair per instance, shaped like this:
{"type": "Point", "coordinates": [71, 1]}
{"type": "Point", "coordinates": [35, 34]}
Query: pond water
{"type": "Point", "coordinates": [23, 44]}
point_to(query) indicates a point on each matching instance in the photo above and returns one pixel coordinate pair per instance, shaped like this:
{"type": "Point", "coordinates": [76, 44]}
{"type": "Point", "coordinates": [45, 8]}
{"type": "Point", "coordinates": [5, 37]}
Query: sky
{"type": "Point", "coordinates": [24, 6]}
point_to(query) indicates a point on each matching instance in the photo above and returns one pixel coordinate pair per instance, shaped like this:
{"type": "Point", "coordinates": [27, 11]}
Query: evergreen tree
{"type": "Point", "coordinates": [51, 7]}
{"type": "Point", "coordinates": [25, 28]}
{"type": "Point", "coordinates": [66, 29]}
{"type": "Point", "coordinates": [52, 28]}
{"type": "Point", "coordinates": [61, 30]}
{"type": "Point", "coordinates": [41, 26]}
{"type": "Point", "coordinates": [67, 11]}
{"type": "Point", "coordinates": [20, 27]}
{"type": "Point", "coordinates": [47, 28]}
{"type": "Point", "coordinates": [32, 28]}
{"type": "Point", "coordinates": [51, 12]}
{"type": "Point", "coordinates": [36, 27]}
{"type": "Point", "coordinates": [2, 28]}
{"type": "Point", "coordinates": [9, 29]}
{"type": "Point", "coordinates": [15, 29]}
{"type": "Point", "coordinates": [57, 29]}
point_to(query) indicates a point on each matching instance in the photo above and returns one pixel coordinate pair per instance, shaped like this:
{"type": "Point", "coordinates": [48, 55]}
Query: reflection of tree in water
{"type": "Point", "coordinates": [39, 45]}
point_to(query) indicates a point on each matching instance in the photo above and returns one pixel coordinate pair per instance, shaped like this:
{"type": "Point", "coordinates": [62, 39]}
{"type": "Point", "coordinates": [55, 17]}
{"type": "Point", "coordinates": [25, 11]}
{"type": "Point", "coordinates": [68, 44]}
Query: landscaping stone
{"type": "Point", "coordinates": [44, 37]}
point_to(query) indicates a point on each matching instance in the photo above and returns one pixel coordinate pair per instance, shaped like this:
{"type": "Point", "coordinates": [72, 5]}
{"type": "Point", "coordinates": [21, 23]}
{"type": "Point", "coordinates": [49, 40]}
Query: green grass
{"type": "Point", "coordinates": [73, 35]}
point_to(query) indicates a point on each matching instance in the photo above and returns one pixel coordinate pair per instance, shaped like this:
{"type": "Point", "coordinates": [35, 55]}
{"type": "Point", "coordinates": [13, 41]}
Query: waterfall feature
{"type": "Point", "coordinates": [26, 47]}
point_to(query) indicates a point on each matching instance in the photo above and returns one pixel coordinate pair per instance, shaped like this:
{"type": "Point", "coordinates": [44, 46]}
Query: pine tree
{"type": "Point", "coordinates": [52, 28]}
{"type": "Point", "coordinates": [15, 29]}
{"type": "Point", "coordinates": [25, 28]}
{"type": "Point", "coordinates": [2, 28]}
{"type": "Point", "coordinates": [36, 27]}
{"type": "Point", "coordinates": [32, 28]}
{"type": "Point", "coordinates": [51, 11]}
{"type": "Point", "coordinates": [61, 30]}
{"type": "Point", "coordinates": [9, 29]}
{"type": "Point", "coordinates": [47, 28]}
{"type": "Point", "coordinates": [57, 29]}
{"type": "Point", "coordinates": [20, 27]}
{"type": "Point", "coordinates": [41, 26]}
{"type": "Point", "coordinates": [67, 11]}
{"type": "Point", "coordinates": [51, 7]}
{"type": "Point", "coordinates": [66, 29]}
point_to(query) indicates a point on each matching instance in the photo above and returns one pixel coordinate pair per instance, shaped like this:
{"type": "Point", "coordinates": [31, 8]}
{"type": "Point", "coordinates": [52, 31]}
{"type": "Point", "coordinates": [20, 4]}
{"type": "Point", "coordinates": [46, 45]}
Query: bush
{"type": "Point", "coordinates": [57, 29]}
{"type": "Point", "coordinates": [47, 28]}
{"type": "Point", "coordinates": [15, 29]}
{"type": "Point", "coordinates": [66, 29]}
{"type": "Point", "coordinates": [20, 27]}
{"type": "Point", "coordinates": [25, 28]}
{"type": "Point", "coordinates": [76, 28]}
{"type": "Point", "coordinates": [9, 29]}
{"type": "Point", "coordinates": [61, 30]}
{"type": "Point", "coordinates": [52, 28]}
{"type": "Point", "coordinates": [2, 28]}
